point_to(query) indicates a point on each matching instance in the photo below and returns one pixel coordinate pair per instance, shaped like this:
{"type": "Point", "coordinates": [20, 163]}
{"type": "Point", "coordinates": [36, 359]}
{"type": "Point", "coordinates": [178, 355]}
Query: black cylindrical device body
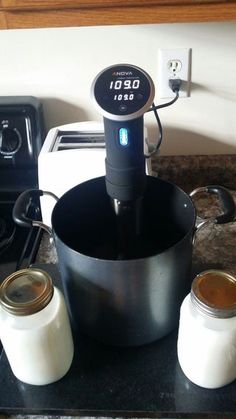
{"type": "Point", "coordinates": [125, 161]}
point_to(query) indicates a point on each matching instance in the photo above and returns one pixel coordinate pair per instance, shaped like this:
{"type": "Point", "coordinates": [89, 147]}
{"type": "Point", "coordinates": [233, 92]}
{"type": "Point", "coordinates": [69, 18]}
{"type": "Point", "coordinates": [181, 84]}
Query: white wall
{"type": "Point", "coordinates": [58, 66]}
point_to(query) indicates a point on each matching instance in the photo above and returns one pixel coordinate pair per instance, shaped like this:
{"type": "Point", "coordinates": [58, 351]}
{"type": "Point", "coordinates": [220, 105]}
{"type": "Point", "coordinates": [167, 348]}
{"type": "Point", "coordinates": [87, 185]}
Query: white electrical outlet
{"type": "Point", "coordinates": [173, 63]}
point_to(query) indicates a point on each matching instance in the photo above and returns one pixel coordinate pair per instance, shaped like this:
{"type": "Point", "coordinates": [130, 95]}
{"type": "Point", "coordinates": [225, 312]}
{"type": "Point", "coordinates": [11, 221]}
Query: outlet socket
{"type": "Point", "coordinates": [174, 66]}
{"type": "Point", "coordinates": [173, 63]}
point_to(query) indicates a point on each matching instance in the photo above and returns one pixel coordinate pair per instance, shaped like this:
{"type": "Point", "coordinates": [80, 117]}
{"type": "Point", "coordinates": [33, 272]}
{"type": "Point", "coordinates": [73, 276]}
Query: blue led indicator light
{"type": "Point", "coordinates": [123, 137]}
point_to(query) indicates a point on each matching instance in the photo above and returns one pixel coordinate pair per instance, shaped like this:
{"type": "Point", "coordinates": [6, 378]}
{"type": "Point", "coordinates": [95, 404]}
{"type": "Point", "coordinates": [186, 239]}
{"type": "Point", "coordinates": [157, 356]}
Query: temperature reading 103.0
{"type": "Point", "coordinates": [124, 84]}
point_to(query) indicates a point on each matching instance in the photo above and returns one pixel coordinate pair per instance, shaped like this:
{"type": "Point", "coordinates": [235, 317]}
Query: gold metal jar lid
{"type": "Point", "coordinates": [26, 292]}
{"type": "Point", "coordinates": [214, 293]}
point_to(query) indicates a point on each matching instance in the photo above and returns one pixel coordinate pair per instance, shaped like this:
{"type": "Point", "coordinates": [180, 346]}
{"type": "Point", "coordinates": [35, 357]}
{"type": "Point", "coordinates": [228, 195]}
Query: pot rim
{"type": "Point", "coordinates": [128, 261]}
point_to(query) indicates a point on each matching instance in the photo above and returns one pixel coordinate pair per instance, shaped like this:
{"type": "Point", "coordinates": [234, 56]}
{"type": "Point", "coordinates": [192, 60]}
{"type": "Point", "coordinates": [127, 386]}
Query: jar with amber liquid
{"type": "Point", "coordinates": [207, 330]}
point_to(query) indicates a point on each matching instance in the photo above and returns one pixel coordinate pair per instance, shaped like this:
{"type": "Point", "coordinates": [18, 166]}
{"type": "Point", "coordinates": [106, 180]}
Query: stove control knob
{"type": "Point", "coordinates": [10, 141]}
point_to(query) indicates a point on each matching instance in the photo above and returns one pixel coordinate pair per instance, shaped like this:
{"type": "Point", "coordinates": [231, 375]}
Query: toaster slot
{"type": "Point", "coordinates": [78, 140]}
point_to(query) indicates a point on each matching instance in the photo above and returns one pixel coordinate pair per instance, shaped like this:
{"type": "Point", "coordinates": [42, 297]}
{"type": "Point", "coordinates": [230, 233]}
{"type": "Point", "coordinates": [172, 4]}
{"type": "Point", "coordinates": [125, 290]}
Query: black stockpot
{"type": "Point", "coordinates": [133, 301]}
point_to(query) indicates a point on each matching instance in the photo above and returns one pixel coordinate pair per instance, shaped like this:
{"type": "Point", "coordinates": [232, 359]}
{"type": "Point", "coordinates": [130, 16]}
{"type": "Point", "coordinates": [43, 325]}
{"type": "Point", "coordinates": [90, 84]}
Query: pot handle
{"type": "Point", "coordinates": [22, 205]}
{"type": "Point", "coordinates": [227, 203]}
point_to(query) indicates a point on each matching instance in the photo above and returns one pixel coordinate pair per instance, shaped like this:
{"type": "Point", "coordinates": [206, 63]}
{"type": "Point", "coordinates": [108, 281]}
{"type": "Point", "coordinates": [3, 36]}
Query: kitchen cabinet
{"type": "Point", "coordinates": [16, 14]}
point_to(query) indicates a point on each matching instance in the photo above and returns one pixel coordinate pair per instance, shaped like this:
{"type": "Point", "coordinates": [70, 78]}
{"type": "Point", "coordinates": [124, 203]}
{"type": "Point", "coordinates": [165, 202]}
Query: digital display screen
{"type": "Point", "coordinates": [123, 90]}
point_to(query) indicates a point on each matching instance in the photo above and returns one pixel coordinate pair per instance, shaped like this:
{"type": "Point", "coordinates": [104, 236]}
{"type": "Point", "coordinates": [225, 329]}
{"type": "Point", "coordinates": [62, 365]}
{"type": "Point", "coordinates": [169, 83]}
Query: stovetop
{"type": "Point", "coordinates": [21, 138]}
{"type": "Point", "coordinates": [18, 245]}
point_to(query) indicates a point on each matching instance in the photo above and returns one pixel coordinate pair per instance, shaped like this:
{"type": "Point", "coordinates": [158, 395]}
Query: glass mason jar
{"type": "Point", "coordinates": [207, 330]}
{"type": "Point", "coordinates": [34, 327]}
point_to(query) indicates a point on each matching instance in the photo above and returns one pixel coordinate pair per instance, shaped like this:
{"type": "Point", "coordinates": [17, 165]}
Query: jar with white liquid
{"type": "Point", "coordinates": [207, 330]}
{"type": "Point", "coordinates": [34, 327]}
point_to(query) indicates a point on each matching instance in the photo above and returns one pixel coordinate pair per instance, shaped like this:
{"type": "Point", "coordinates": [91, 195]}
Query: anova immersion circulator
{"type": "Point", "coordinates": [122, 94]}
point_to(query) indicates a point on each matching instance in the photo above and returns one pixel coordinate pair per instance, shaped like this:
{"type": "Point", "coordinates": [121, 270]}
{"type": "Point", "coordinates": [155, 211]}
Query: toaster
{"type": "Point", "coordinates": [72, 154]}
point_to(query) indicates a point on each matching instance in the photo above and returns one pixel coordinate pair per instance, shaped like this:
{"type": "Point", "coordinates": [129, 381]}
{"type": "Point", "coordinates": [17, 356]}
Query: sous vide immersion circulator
{"type": "Point", "coordinates": [123, 93]}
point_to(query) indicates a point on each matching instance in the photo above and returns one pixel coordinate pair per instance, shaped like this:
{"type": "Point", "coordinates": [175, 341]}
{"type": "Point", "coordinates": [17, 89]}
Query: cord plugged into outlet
{"type": "Point", "coordinates": [175, 85]}
{"type": "Point", "coordinates": [174, 65]}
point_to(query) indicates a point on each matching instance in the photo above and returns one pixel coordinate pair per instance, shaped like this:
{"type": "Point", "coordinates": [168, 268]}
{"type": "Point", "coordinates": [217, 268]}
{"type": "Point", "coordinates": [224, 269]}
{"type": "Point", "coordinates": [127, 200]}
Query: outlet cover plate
{"type": "Point", "coordinates": [167, 68]}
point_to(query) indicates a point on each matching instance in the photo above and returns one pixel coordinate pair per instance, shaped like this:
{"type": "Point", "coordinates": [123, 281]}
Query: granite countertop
{"type": "Point", "coordinates": [215, 244]}
{"type": "Point", "coordinates": [145, 381]}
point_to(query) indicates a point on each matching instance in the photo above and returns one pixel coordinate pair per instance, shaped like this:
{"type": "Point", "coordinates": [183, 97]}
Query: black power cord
{"type": "Point", "coordinates": [175, 85]}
